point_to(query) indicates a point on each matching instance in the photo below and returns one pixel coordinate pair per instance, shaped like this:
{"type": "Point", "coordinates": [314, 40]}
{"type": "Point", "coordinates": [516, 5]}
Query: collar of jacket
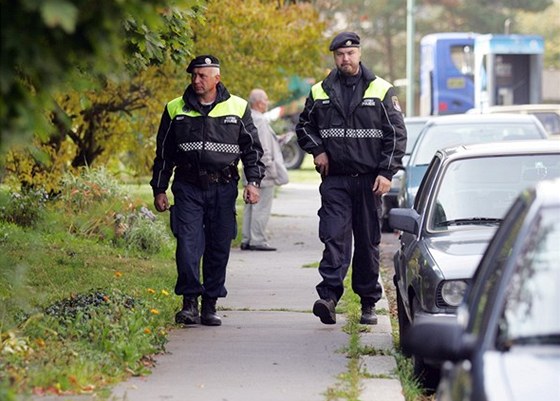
{"type": "Point", "coordinates": [191, 101]}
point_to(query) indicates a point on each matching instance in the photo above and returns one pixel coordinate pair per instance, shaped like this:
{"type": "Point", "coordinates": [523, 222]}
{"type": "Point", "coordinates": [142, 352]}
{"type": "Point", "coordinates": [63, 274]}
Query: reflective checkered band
{"type": "Point", "coordinates": [210, 146]}
{"type": "Point", "coordinates": [188, 146]}
{"type": "Point", "coordinates": [222, 147]}
{"type": "Point", "coordinates": [351, 133]}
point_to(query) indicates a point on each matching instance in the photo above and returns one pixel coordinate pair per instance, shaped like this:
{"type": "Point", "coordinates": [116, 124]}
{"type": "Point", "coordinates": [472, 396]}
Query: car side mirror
{"type": "Point", "coordinates": [404, 219]}
{"type": "Point", "coordinates": [440, 340]}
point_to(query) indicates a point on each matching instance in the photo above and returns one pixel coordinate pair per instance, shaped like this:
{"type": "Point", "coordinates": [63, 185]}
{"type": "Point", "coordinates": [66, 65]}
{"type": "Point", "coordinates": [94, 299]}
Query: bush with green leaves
{"type": "Point", "coordinates": [145, 233]}
{"type": "Point", "coordinates": [105, 333]}
{"type": "Point", "coordinates": [24, 208]}
{"type": "Point", "coordinates": [102, 210]}
{"type": "Point", "coordinates": [89, 186]}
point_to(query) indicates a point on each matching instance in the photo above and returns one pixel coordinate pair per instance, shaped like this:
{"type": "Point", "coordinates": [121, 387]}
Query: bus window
{"type": "Point", "coordinates": [446, 73]}
{"type": "Point", "coordinates": [463, 58]}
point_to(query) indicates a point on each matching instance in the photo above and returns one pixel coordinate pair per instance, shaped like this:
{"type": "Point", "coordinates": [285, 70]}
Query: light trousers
{"type": "Point", "coordinates": [255, 218]}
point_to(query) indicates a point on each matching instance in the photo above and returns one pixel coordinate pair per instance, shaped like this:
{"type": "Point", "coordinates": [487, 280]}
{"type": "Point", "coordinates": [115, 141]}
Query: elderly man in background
{"type": "Point", "coordinates": [256, 216]}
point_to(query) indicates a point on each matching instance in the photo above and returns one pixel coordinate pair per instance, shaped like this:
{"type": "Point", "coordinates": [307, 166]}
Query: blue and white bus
{"type": "Point", "coordinates": [461, 70]}
{"type": "Point", "coordinates": [446, 73]}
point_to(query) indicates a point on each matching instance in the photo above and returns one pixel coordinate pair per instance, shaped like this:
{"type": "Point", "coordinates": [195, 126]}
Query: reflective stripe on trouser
{"type": "Point", "coordinates": [349, 208]}
{"type": "Point", "coordinates": [204, 223]}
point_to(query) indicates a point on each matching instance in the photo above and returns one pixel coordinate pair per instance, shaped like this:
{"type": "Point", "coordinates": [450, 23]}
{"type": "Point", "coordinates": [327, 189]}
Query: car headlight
{"type": "Point", "coordinates": [453, 292]}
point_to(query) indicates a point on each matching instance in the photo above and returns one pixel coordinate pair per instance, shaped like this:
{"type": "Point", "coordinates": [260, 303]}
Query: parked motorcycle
{"type": "Point", "coordinates": [292, 153]}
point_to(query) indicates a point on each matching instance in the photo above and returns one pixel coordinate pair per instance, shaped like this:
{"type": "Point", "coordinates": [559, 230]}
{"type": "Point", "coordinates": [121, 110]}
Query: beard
{"type": "Point", "coordinates": [348, 69]}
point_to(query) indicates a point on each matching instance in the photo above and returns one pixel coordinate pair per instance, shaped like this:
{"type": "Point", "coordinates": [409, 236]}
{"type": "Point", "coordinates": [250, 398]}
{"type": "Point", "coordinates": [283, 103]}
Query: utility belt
{"type": "Point", "coordinates": [203, 178]}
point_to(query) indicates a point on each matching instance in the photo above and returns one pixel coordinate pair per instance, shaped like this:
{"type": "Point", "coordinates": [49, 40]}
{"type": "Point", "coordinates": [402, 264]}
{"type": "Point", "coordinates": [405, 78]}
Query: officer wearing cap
{"type": "Point", "coordinates": [353, 126]}
{"type": "Point", "coordinates": [201, 138]}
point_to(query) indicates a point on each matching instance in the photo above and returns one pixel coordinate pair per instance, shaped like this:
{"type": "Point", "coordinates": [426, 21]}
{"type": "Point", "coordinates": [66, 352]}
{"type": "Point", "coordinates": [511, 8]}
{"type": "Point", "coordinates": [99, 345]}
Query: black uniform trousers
{"type": "Point", "coordinates": [204, 223]}
{"type": "Point", "coordinates": [349, 209]}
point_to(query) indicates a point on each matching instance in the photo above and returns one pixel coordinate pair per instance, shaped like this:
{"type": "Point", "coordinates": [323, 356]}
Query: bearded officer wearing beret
{"type": "Point", "coordinates": [201, 138]}
{"type": "Point", "coordinates": [353, 126]}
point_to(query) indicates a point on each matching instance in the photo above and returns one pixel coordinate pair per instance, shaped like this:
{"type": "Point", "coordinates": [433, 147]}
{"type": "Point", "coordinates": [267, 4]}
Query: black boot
{"type": "Point", "coordinates": [189, 314]}
{"type": "Point", "coordinates": [208, 316]}
{"type": "Point", "coordinates": [325, 310]}
{"type": "Point", "coordinates": [368, 315]}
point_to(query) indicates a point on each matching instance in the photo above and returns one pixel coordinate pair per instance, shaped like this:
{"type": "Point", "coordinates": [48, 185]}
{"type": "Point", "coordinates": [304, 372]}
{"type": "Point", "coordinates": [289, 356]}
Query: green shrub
{"type": "Point", "coordinates": [88, 337]}
{"type": "Point", "coordinates": [24, 208]}
{"type": "Point", "coordinates": [88, 187]}
{"type": "Point", "coordinates": [145, 233]}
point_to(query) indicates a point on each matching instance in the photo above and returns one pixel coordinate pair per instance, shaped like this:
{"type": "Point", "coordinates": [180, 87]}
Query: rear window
{"type": "Point", "coordinates": [476, 190]}
{"type": "Point", "coordinates": [443, 136]}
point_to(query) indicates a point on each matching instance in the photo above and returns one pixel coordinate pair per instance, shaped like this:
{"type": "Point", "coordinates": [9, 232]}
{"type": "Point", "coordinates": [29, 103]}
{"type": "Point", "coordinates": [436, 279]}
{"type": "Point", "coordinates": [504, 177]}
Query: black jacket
{"type": "Point", "coordinates": [191, 140]}
{"type": "Point", "coordinates": [368, 139]}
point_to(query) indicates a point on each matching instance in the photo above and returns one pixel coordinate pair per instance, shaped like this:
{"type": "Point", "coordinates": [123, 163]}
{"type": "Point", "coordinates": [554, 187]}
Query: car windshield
{"type": "Point", "coordinates": [441, 136]}
{"type": "Point", "coordinates": [413, 128]}
{"type": "Point", "coordinates": [479, 191]}
{"type": "Point", "coordinates": [550, 121]}
{"type": "Point", "coordinates": [531, 314]}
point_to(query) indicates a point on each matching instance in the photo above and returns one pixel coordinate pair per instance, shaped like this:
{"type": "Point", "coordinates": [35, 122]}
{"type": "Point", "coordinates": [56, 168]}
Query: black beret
{"type": "Point", "coordinates": [345, 39]}
{"type": "Point", "coordinates": [203, 61]}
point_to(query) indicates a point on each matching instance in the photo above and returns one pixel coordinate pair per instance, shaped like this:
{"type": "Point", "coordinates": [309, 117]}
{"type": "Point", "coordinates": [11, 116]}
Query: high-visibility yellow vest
{"type": "Point", "coordinates": [235, 106]}
{"type": "Point", "coordinates": [377, 89]}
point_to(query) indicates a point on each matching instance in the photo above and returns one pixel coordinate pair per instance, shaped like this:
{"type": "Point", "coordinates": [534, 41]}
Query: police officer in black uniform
{"type": "Point", "coordinates": [352, 124]}
{"type": "Point", "coordinates": [201, 138]}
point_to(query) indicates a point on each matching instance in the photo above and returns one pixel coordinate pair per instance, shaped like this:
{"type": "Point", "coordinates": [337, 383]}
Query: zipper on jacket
{"type": "Point", "coordinates": [203, 149]}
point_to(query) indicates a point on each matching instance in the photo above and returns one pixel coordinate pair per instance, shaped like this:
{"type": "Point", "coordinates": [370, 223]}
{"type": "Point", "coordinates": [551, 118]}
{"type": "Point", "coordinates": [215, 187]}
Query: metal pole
{"type": "Point", "coordinates": [410, 82]}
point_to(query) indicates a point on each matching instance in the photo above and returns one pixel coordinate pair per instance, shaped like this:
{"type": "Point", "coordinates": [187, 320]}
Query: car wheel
{"type": "Point", "coordinates": [427, 375]}
{"type": "Point", "coordinates": [293, 155]}
{"type": "Point", "coordinates": [404, 324]}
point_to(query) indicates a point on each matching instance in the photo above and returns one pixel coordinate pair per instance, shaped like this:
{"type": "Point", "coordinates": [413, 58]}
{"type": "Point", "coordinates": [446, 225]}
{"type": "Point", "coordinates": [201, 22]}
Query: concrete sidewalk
{"type": "Point", "coordinates": [270, 347]}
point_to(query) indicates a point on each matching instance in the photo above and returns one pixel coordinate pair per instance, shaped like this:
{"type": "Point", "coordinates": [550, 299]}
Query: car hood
{"type": "Point", "coordinates": [506, 374]}
{"type": "Point", "coordinates": [457, 254]}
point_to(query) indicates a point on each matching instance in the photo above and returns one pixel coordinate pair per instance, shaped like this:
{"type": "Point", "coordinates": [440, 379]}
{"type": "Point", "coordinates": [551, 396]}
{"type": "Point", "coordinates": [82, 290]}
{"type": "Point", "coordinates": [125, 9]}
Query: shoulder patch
{"type": "Point", "coordinates": [230, 120]}
{"type": "Point", "coordinates": [368, 102]}
{"type": "Point", "coordinates": [396, 104]}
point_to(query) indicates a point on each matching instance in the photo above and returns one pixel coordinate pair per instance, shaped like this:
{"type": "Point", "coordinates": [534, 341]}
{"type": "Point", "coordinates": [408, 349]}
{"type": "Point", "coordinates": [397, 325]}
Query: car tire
{"type": "Point", "coordinates": [404, 324]}
{"type": "Point", "coordinates": [293, 155]}
{"type": "Point", "coordinates": [426, 375]}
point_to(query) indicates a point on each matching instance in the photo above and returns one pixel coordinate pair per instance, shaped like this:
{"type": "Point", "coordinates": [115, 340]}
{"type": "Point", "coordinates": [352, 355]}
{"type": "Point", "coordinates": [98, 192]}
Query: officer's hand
{"type": "Point", "coordinates": [381, 185]}
{"type": "Point", "coordinates": [251, 194]}
{"type": "Point", "coordinates": [321, 162]}
{"type": "Point", "coordinates": [161, 202]}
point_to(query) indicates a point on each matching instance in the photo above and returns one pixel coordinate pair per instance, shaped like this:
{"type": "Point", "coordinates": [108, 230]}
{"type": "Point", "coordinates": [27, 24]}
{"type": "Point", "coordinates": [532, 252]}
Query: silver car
{"type": "Point", "coordinates": [460, 204]}
{"type": "Point", "coordinates": [505, 342]}
{"type": "Point", "coordinates": [463, 129]}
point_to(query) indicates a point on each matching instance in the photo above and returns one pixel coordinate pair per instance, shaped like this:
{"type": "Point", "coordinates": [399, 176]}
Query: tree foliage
{"type": "Point", "coordinates": [110, 126]}
{"type": "Point", "coordinates": [263, 43]}
{"type": "Point", "coordinates": [546, 24]}
{"type": "Point", "coordinates": [110, 117]}
{"type": "Point", "coordinates": [72, 43]}
{"type": "Point", "coordinates": [93, 70]}
{"type": "Point", "coordinates": [475, 15]}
